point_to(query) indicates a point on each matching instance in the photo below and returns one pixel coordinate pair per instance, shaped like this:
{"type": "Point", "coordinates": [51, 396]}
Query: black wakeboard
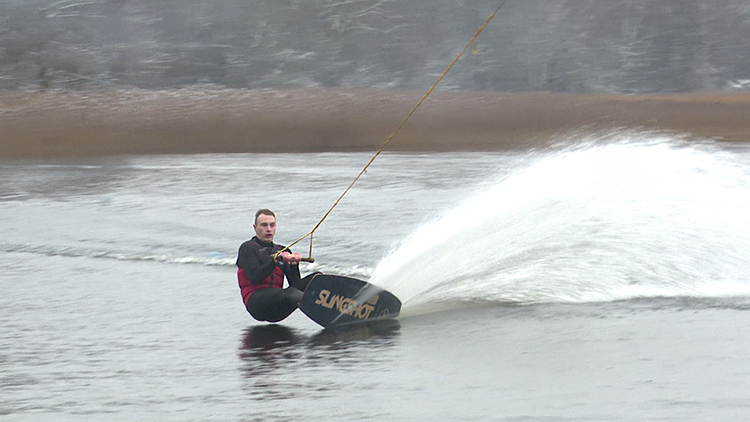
{"type": "Point", "coordinates": [332, 300]}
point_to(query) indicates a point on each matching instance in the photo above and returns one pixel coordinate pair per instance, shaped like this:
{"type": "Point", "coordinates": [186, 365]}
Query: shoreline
{"type": "Point", "coordinates": [58, 123]}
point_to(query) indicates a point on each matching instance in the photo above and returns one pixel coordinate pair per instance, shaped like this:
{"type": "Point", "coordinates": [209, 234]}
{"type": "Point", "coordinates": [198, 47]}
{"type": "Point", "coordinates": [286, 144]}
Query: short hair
{"type": "Point", "coordinates": [264, 211]}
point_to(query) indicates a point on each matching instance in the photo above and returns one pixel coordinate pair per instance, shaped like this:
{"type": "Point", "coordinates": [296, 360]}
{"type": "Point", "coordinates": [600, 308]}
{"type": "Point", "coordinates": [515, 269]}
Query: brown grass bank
{"type": "Point", "coordinates": [208, 119]}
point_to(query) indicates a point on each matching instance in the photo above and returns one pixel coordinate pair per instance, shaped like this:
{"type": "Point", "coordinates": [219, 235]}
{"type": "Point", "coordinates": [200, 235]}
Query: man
{"type": "Point", "coordinates": [261, 278]}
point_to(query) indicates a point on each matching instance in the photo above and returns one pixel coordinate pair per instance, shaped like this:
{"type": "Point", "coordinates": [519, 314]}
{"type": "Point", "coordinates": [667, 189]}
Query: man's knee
{"type": "Point", "coordinates": [305, 281]}
{"type": "Point", "coordinates": [295, 295]}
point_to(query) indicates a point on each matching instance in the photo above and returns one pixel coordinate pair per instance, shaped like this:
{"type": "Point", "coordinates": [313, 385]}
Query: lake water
{"type": "Point", "coordinates": [604, 278]}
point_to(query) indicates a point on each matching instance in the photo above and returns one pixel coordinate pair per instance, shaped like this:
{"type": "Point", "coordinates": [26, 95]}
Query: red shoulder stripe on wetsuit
{"type": "Point", "coordinates": [275, 280]}
{"type": "Point", "coordinates": [256, 268]}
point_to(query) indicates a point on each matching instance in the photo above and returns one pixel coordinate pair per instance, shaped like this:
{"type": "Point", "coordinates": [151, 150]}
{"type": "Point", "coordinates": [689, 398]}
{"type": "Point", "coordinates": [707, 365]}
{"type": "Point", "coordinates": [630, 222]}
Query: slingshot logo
{"type": "Point", "coordinates": [347, 305]}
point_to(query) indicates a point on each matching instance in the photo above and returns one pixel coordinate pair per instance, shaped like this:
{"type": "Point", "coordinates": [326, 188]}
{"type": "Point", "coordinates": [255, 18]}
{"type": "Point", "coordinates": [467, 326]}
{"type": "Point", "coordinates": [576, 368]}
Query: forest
{"type": "Point", "coordinates": [581, 46]}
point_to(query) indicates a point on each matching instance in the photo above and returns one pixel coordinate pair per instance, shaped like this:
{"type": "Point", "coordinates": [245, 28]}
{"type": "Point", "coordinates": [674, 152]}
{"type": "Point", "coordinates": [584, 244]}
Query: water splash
{"type": "Point", "coordinates": [639, 215]}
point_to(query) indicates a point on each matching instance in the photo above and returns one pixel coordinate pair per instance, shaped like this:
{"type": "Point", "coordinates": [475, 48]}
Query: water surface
{"type": "Point", "coordinates": [604, 279]}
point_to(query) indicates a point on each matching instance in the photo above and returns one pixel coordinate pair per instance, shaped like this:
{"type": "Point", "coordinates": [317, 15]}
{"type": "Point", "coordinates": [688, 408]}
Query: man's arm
{"type": "Point", "coordinates": [256, 263]}
{"type": "Point", "coordinates": [292, 275]}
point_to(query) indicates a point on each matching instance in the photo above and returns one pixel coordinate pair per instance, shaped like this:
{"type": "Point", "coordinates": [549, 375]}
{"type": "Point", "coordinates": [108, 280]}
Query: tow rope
{"type": "Point", "coordinates": [473, 45]}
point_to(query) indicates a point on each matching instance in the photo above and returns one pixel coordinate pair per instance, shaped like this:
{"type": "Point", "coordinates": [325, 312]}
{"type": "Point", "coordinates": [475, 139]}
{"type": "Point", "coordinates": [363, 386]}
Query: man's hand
{"type": "Point", "coordinates": [290, 258]}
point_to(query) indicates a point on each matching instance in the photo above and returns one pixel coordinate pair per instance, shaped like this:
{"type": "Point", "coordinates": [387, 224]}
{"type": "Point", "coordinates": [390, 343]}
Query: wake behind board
{"type": "Point", "coordinates": [332, 300]}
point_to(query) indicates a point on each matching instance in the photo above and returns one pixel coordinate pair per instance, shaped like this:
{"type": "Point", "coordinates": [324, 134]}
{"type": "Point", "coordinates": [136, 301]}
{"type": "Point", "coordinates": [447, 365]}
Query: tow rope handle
{"type": "Point", "coordinates": [277, 257]}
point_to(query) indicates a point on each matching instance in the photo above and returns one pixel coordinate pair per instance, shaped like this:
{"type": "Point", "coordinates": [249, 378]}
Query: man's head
{"type": "Point", "coordinates": [265, 225]}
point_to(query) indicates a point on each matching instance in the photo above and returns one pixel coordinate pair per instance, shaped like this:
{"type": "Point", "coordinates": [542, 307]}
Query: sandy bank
{"type": "Point", "coordinates": [202, 120]}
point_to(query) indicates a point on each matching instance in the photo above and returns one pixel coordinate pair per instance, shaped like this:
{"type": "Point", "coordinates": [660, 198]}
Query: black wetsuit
{"type": "Point", "coordinates": [261, 282]}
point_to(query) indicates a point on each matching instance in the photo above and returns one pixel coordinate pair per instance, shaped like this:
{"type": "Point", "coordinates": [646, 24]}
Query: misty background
{"type": "Point", "coordinates": [625, 46]}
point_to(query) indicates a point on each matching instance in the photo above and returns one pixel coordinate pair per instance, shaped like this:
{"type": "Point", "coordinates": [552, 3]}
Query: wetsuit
{"type": "Point", "coordinates": [261, 282]}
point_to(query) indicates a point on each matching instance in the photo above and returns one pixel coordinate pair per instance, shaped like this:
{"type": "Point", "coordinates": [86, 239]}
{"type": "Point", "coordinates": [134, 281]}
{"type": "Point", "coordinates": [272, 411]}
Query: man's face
{"type": "Point", "coordinates": [265, 227]}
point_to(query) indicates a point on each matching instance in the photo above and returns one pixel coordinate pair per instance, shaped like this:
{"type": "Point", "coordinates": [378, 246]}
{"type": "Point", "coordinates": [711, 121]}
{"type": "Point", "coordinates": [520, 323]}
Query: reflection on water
{"type": "Point", "coordinates": [263, 338]}
{"type": "Point", "coordinates": [267, 348]}
{"type": "Point", "coordinates": [373, 334]}
{"type": "Point", "coordinates": [266, 341]}
{"type": "Point", "coordinates": [280, 363]}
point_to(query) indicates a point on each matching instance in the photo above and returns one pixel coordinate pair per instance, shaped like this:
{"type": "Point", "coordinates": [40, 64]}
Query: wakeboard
{"type": "Point", "coordinates": [332, 300]}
